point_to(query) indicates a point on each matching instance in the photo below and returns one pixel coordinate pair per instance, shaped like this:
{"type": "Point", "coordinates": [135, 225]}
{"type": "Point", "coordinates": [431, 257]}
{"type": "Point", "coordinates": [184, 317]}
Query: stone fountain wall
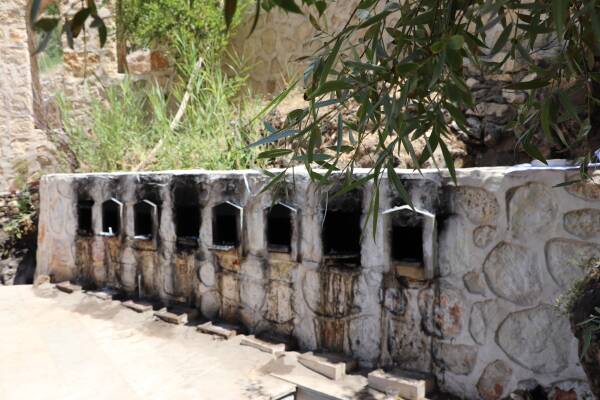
{"type": "Point", "coordinates": [480, 315]}
{"type": "Point", "coordinates": [25, 150]}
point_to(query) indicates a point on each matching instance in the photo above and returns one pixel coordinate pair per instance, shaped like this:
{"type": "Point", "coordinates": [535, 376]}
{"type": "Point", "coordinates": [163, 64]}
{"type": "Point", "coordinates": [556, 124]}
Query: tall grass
{"type": "Point", "coordinates": [133, 117]}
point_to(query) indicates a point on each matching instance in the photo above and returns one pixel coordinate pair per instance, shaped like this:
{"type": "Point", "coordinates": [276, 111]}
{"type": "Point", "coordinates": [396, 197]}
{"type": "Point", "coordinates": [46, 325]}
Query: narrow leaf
{"type": "Point", "coordinates": [340, 133]}
{"type": "Point", "coordinates": [449, 161]}
{"type": "Point", "coordinates": [35, 10]}
{"type": "Point", "coordinates": [559, 13]}
{"type": "Point", "coordinates": [274, 181]}
{"type": "Point", "coordinates": [502, 39]}
{"type": "Point", "coordinates": [256, 17]}
{"type": "Point", "coordinates": [102, 31]}
{"type": "Point", "coordinates": [276, 101]}
{"type": "Point", "coordinates": [393, 177]}
{"type": "Point", "coordinates": [533, 151]}
{"type": "Point", "coordinates": [533, 84]}
{"type": "Point", "coordinates": [375, 211]}
{"type": "Point", "coordinates": [330, 61]}
{"type": "Point", "coordinates": [275, 153]}
{"type": "Point", "coordinates": [43, 43]}
{"type": "Point", "coordinates": [330, 86]}
{"type": "Point", "coordinates": [456, 42]}
{"type": "Point", "coordinates": [46, 24]}
{"type": "Point", "coordinates": [545, 117]}
{"type": "Point", "coordinates": [78, 21]}
{"type": "Point", "coordinates": [229, 11]}
{"type": "Point", "coordinates": [288, 5]}
{"type": "Point", "coordinates": [274, 137]}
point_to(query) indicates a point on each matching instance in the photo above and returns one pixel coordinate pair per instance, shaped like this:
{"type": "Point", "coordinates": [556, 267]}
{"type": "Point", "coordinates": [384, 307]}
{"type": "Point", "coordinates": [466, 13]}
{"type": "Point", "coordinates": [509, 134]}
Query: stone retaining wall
{"type": "Point", "coordinates": [475, 307]}
{"type": "Point", "coordinates": [24, 150]}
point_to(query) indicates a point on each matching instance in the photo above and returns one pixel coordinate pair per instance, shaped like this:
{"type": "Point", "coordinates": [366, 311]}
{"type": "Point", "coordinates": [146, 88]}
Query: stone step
{"type": "Point", "coordinates": [333, 366]}
{"type": "Point", "coordinates": [172, 318]}
{"type": "Point", "coordinates": [100, 295]}
{"type": "Point", "coordinates": [68, 287]}
{"type": "Point", "coordinates": [428, 378]}
{"type": "Point", "coordinates": [41, 280]}
{"type": "Point", "coordinates": [137, 307]}
{"type": "Point", "coordinates": [222, 331]}
{"type": "Point", "coordinates": [398, 383]}
{"type": "Point", "coordinates": [268, 347]}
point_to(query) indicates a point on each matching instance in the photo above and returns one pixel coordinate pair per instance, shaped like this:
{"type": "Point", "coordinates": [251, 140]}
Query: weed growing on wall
{"type": "Point", "coordinates": [23, 221]}
{"type": "Point", "coordinates": [127, 125]}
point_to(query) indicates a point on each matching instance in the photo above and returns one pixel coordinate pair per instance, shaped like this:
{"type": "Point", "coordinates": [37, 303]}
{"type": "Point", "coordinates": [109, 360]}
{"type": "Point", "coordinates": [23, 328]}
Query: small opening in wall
{"type": "Point", "coordinates": [407, 244]}
{"type": "Point", "coordinates": [225, 225]}
{"type": "Point", "coordinates": [187, 221]}
{"type": "Point", "coordinates": [341, 233]}
{"type": "Point", "coordinates": [187, 215]}
{"type": "Point", "coordinates": [111, 217]}
{"type": "Point", "coordinates": [279, 229]}
{"type": "Point", "coordinates": [143, 221]}
{"type": "Point", "coordinates": [84, 217]}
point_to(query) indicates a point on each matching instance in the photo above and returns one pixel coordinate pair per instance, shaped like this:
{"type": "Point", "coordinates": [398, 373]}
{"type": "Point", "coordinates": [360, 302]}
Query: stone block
{"type": "Point", "coordinates": [330, 365]}
{"type": "Point", "coordinates": [412, 271]}
{"type": "Point", "coordinates": [137, 307]}
{"type": "Point", "coordinates": [566, 259]}
{"type": "Point", "coordinates": [532, 210]}
{"type": "Point", "coordinates": [479, 205]}
{"type": "Point", "coordinates": [172, 318]}
{"type": "Point", "coordinates": [68, 287]}
{"type": "Point", "coordinates": [459, 359]}
{"type": "Point", "coordinates": [549, 353]}
{"type": "Point", "coordinates": [391, 383]}
{"type": "Point", "coordinates": [100, 295]}
{"type": "Point", "coordinates": [268, 347]}
{"type": "Point", "coordinates": [583, 223]}
{"type": "Point", "coordinates": [41, 280]}
{"type": "Point", "coordinates": [494, 380]}
{"type": "Point", "coordinates": [224, 332]}
{"type": "Point", "coordinates": [512, 273]}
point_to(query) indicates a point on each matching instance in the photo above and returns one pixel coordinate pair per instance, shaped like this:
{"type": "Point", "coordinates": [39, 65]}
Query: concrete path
{"type": "Point", "coordinates": [58, 346]}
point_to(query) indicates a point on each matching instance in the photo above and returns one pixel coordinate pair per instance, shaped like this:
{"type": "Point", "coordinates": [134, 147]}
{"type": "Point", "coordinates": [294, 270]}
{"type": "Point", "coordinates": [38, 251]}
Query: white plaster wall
{"type": "Point", "coordinates": [485, 325]}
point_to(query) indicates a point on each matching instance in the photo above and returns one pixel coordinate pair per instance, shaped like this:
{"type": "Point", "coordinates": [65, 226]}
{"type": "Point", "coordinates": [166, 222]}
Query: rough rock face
{"type": "Point", "coordinates": [479, 205]}
{"type": "Point", "coordinates": [24, 149]}
{"type": "Point", "coordinates": [534, 339]}
{"type": "Point", "coordinates": [512, 273]}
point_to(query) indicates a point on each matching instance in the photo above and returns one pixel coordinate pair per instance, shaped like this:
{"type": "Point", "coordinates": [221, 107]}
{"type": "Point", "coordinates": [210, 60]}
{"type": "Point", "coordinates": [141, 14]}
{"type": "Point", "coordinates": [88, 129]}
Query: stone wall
{"type": "Point", "coordinates": [468, 296]}
{"type": "Point", "coordinates": [88, 69]}
{"type": "Point", "coordinates": [279, 40]}
{"type": "Point", "coordinates": [24, 150]}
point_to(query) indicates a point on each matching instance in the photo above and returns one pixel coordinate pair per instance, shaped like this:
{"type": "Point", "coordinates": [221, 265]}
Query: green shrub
{"type": "Point", "coordinates": [135, 116]}
{"type": "Point", "coordinates": [164, 23]}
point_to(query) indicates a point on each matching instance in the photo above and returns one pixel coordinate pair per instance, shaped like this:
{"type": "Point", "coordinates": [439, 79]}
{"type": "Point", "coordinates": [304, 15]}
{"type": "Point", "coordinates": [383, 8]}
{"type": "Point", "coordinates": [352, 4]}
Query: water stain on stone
{"type": "Point", "coordinates": [337, 287]}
